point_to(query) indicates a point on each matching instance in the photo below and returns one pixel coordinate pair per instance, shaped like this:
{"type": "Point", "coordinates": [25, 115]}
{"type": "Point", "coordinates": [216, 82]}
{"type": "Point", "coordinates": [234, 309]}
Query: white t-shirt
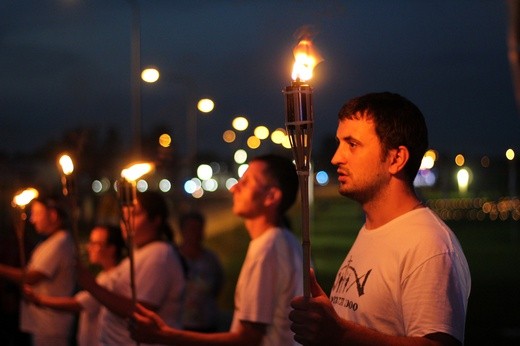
{"type": "Point", "coordinates": [54, 257]}
{"type": "Point", "coordinates": [270, 278]}
{"type": "Point", "coordinates": [408, 277]}
{"type": "Point", "coordinates": [88, 324]}
{"type": "Point", "coordinates": [159, 279]}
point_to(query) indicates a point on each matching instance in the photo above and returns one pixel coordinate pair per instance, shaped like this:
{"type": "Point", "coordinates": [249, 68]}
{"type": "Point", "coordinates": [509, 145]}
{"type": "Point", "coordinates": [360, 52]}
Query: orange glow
{"type": "Point", "coordinates": [25, 197]}
{"type": "Point", "coordinates": [136, 171]}
{"type": "Point", "coordinates": [306, 57]}
{"type": "Point", "coordinates": [66, 164]}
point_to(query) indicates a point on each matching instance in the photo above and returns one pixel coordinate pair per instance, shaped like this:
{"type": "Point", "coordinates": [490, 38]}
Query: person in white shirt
{"type": "Point", "coordinates": [159, 273]}
{"type": "Point", "coordinates": [405, 281]}
{"type": "Point", "coordinates": [50, 271]}
{"type": "Point", "coordinates": [272, 271]}
{"type": "Point", "coordinates": [105, 249]}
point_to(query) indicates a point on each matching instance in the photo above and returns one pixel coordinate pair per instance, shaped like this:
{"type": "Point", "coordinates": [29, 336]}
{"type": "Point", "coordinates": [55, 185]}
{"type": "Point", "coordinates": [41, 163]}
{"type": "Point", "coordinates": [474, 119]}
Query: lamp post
{"type": "Point", "coordinates": [135, 78]}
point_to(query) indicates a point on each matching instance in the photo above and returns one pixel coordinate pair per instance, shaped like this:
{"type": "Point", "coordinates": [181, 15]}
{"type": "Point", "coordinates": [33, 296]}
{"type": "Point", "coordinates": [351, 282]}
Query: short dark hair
{"type": "Point", "coordinates": [397, 122]}
{"type": "Point", "coordinates": [282, 172]}
{"type": "Point", "coordinates": [56, 203]}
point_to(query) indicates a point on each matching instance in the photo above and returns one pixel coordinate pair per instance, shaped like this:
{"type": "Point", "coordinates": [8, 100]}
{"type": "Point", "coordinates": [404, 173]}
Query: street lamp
{"type": "Point", "coordinates": [135, 78]}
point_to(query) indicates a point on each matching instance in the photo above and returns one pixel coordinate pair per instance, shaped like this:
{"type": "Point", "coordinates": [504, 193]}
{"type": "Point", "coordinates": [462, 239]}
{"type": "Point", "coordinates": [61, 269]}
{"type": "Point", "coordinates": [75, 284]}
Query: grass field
{"type": "Point", "coordinates": [491, 247]}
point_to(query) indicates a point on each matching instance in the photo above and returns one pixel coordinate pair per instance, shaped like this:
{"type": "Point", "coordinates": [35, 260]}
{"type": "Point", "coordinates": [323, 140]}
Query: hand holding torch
{"type": "Point", "coordinates": [299, 124]}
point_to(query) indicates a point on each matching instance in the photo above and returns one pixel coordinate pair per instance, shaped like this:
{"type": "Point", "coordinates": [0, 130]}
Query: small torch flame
{"type": "Point", "coordinates": [136, 171]}
{"type": "Point", "coordinates": [25, 197]}
{"type": "Point", "coordinates": [306, 57]}
{"type": "Point", "coordinates": [67, 166]}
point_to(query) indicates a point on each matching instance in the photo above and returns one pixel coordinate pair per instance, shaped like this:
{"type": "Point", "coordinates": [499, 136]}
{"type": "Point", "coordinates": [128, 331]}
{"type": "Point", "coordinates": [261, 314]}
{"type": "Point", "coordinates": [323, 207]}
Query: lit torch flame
{"type": "Point", "coordinates": [306, 57]}
{"type": "Point", "coordinates": [67, 166]}
{"type": "Point", "coordinates": [136, 171]}
{"type": "Point", "coordinates": [25, 197]}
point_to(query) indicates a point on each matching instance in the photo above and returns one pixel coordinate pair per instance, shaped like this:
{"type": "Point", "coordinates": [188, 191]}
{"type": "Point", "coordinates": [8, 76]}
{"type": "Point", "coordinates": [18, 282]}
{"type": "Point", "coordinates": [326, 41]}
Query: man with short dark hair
{"type": "Point", "coordinates": [405, 280]}
{"type": "Point", "coordinates": [272, 271]}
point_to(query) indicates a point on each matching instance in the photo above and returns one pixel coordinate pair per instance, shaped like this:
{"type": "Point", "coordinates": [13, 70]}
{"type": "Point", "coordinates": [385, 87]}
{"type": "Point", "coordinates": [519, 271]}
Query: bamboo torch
{"type": "Point", "coordinates": [299, 124]}
{"type": "Point", "coordinates": [68, 185]}
{"type": "Point", "coordinates": [127, 195]}
{"type": "Point", "coordinates": [20, 201]}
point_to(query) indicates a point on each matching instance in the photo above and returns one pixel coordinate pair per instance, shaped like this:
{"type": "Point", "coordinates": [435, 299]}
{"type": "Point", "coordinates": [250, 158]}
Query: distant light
{"type": "Point", "coordinates": [210, 185]}
{"type": "Point", "coordinates": [198, 193]}
{"type": "Point", "coordinates": [510, 154]}
{"type": "Point", "coordinates": [428, 160]}
{"type": "Point", "coordinates": [463, 180]}
{"type": "Point", "coordinates": [150, 75]}
{"type": "Point", "coordinates": [253, 142]}
{"type": "Point", "coordinates": [205, 105]}
{"type": "Point", "coordinates": [165, 140]}
{"type": "Point", "coordinates": [427, 163]}
{"type": "Point", "coordinates": [240, 156]}
{"type": "Point", "coordinates": [322, 178]}
{"type": "Point", "coordinates": [230, 182]}
{"type": "Point", "coordinates": [204, 172]}
{"type": "Point", "coordinates": [142, 185]}
{"type": "Point", "coordinates": [425, 177]}
{"type": "Point", "coordinates": [229, 136]}
{"type": "Point", "coordinates": [192, 185]}
{"type": "Point", "coordinates": [278, 136]}
{"type": "Point", "coordinates": [165, 185]}
{"type": "Point", "coordinates": [97, 187]}
{"type": "Point", "coordinates": [242, 169]}
{"type": "Point", "coordinates": [240, 123]}
{"type": "Point", "coordinates": [286, 142]}
{"type": "Point", "coordinates": [261, 132]}
{"type": "Point", "coordinates": [459, 160]}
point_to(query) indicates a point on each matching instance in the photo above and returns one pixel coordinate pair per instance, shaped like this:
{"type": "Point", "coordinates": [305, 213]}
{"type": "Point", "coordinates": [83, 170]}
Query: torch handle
{"type": "Point", "coordinates": [303, 179]}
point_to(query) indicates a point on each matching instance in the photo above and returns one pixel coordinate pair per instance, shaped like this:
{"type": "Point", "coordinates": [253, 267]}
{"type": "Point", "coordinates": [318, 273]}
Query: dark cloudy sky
{"type": "Point", "coordinates": [66, 63]}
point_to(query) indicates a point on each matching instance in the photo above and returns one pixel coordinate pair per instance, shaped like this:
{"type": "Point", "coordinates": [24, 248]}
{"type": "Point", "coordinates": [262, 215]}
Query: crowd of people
{"type": "Point", "coordinates": [404, 281]}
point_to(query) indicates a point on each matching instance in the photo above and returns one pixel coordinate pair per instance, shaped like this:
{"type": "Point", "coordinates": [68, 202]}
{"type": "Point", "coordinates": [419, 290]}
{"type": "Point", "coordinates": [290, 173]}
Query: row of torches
{"type": "Point", "coordinates": [299, 125]}
{"type": "Point", "coordinates": [126, 191]}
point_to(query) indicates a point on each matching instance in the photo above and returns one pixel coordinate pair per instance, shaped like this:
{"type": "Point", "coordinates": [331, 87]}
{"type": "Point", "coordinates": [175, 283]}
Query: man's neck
{"type": "Point", "coordinates": [389, 206]}
{"type": "Point", "coordinates": [258, 226]}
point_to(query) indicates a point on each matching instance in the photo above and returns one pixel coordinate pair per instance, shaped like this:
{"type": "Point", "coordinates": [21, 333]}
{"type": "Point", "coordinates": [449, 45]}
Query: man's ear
{"type": "Point", "coordinates": [398, 159]}
{"type": "Point", "coordinates": [273, 196]}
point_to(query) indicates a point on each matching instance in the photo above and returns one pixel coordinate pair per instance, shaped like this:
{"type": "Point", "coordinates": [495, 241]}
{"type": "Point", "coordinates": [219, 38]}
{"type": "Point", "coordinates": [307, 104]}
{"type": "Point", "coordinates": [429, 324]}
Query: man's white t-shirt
{"type": "Point", "coordinates": [54, 257]}
{"type": "Point", "coordinates": [408, 277]}
{"type": "Point", "coordinates": [270, 278]}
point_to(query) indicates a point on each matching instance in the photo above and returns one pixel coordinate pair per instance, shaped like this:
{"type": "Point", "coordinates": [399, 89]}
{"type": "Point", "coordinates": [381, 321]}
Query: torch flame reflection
{"type": "Point", "coordinates": [306, 58]}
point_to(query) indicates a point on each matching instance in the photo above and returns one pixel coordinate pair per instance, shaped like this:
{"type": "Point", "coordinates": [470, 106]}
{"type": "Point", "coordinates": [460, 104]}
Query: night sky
{"type": "Point", "coordinates": [65, 64]}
